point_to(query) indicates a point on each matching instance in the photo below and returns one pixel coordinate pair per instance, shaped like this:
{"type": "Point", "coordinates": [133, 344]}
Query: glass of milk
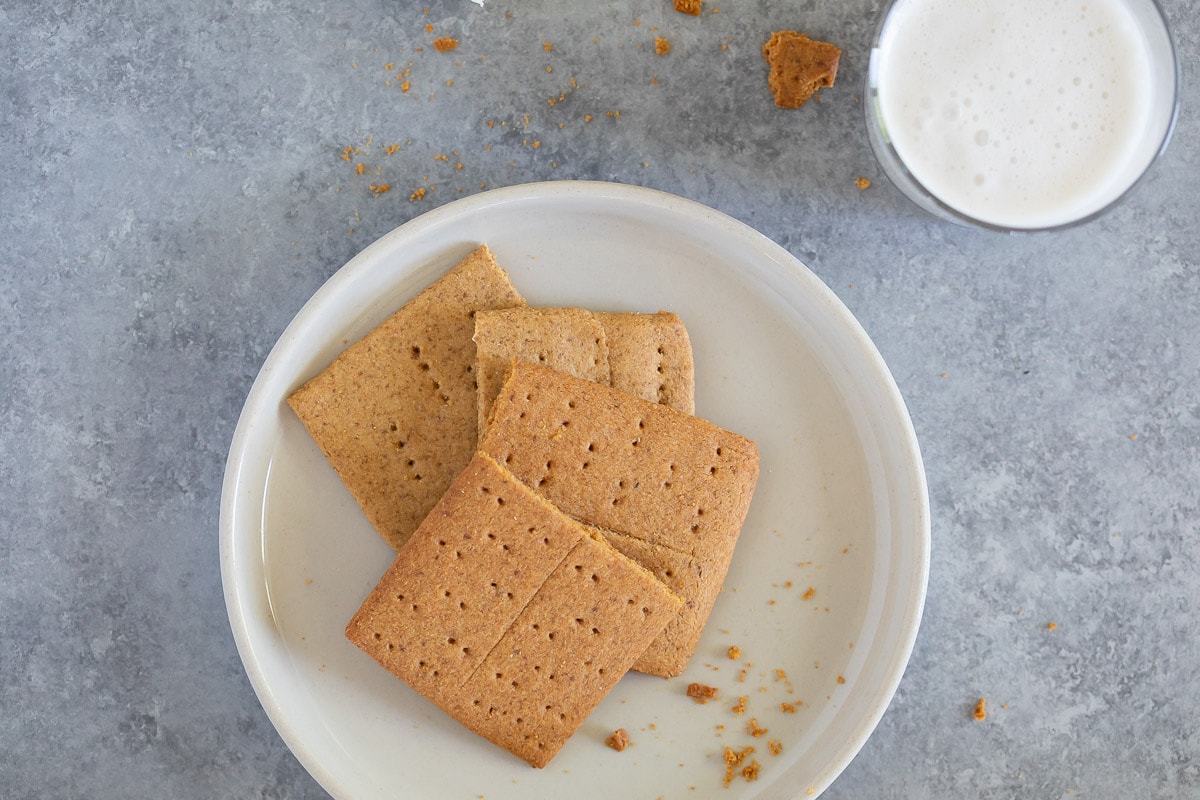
{"type": "Point", "coordinates": [1020, 115]}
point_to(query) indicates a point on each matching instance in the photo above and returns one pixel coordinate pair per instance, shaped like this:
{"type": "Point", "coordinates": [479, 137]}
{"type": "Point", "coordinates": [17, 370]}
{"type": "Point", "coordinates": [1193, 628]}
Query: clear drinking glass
{"type": "Point", "coordinates": [1020, 115]}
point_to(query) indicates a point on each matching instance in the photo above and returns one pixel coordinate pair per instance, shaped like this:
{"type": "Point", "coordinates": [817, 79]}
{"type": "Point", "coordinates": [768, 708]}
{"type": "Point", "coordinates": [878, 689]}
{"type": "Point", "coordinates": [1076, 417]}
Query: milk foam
{"type": "Point", "coordinates": [1019, 113]}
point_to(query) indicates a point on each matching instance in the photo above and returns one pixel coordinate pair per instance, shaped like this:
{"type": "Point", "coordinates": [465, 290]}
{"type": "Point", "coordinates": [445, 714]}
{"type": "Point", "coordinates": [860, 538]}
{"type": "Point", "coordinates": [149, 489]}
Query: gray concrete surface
{"type": "Point", "coordinates": [172, 190]}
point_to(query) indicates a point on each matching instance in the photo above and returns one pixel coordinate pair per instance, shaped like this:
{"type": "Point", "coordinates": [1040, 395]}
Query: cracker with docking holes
{"type": "Point", "coordinates": [650, 356]}
{"type": "Point", "coordinates": [668, 489]}
{"type": "Point", "coordinates": [508, 615]}
{"type": "Point", "coordinates": [570, 340]}
{"type": "Point", "coordinates": [395, 413]}
{"type": "Point", "coordinates": [646, 355]}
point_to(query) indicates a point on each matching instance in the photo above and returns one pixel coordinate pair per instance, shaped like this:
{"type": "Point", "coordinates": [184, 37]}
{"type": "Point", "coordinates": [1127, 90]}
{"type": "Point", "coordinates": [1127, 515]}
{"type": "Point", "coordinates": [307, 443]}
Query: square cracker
{"type": "Point", "coordinates": [394, 414]}
{"type": "Point", "coordinates": [666, 488]}
{"type": "Point", "coordinates": [509, 615]}
{"type": "Point", "coordinates": [646, 355]}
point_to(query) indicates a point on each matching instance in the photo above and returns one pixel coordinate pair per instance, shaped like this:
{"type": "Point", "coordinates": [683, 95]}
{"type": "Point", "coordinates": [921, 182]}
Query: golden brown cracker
{"type": "Point", "coordinates": [567, 339]}
{"type": "Point", "coordinates": [650, 356]}
{"type": "Point", "coordinates": [799, 67]}
{"type": "Point", "coordinates": [658, 479]}
{"type": "Point", "coordinates": [509, 615]}
{"type": "Point", "coordinates": [646, 355]}
{"type": "Point", "coordinates": [395, 413]}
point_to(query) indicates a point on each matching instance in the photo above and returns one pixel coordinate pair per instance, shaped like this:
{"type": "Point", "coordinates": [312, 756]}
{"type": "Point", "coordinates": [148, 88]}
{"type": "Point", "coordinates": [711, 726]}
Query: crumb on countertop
{"type": "Point", "coordinates": [980, 712]}
{"type": "Point", "coordinates": [688, 7]}
{"type": "Point", "coordinates": [445, 43]}
{"type": "Point", "coordinates": [661, 46]}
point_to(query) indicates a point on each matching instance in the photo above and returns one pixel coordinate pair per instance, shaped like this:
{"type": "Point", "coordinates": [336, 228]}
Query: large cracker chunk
{"type": "Point", "coordinates": [668, 489]}
{"type": "Point", "coordinates": [646, 355]}
{"type": "Point", "coordinates": [395, 413]}
{"type": "Point", "coordinates": [509, 615]}
{"type": "Point", "coordinates": [799, 67]}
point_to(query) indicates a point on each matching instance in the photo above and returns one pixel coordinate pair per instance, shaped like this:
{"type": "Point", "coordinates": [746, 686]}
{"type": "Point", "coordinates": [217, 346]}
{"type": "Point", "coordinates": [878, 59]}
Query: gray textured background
{"type": "Point", "coordinates": [172, 191]}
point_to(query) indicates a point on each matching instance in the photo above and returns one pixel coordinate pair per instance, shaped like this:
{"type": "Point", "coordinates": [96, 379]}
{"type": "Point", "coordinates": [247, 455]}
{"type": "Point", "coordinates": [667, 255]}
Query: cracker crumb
{"type": "Point", "coordinates": [547, 46]}
{"type": "Point", "coordinates": [380, 188]}
{"type": "Point", "coordinates": [799, 67]}
{"type": "Point", "coordinates": [734, 652]}
{"type": "Point", "coordinates": [1051, 626]}
{"type": "Point", "coordinates": [619, 740]}
{"type": "Point", "coordinates": [775, 747]}
{"type": "Point", "coordinates": [980, 712]}
{"type": "Point", "coordinates": [841, 679]}
{"type": "Point", "coordinates": [750, 771]}
{"type": "Point", "coordinates": [861, 183]}
{"type": "Point", "coordinates": [740, 708]}
{"type": "Point", "coordinates": [733, 760]}
{"type": "Point", "coordinates": [418, 194]}
{"type": "Point", "coordinates": [787, 708]}
{"type": "Point", "coordinates": [688, 7]}
{"type": "Point", "coordinates": [444, 44]}
{"type": "Point", "coordinates": [360, 169]}
{"type": "Point", "coordinates": [809, 594]}
{"type": "Point", "coordinates": [701, 693]}
{"type": "Point", "coordinates": [661, 46]}
{"type": "Point", "coordinates": [753, 728]}
{"type": "Point", "coordinates": [391, 149]}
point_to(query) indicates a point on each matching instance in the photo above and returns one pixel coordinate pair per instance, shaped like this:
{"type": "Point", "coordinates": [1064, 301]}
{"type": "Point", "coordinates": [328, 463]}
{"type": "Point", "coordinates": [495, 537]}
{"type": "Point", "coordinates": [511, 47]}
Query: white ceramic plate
{"type": "Point", "coordinates": [841, 508]}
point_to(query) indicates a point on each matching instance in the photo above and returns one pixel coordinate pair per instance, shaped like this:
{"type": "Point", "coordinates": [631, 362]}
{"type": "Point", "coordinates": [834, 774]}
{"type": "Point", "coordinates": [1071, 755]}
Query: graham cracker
{"type": "Point", "coordinates": [799, 67]}
{"type": "Point", "coordinates": [646, 355]}
{"type": "Point", "coordinates": [509, 615]}
{"type": "Point", "coordinates": [668, 489]}
{"type": "Point", "coordinates": [394, 414]}
{"type": "Point", "coordinates": [650, 356]}
{"type": "Point", "coordinates": [567, 339]}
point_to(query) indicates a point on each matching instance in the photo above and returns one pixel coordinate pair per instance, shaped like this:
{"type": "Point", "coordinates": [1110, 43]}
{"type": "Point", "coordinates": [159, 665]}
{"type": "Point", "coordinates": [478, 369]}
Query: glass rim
{"type": "Point", "coordinates": [940, 208]}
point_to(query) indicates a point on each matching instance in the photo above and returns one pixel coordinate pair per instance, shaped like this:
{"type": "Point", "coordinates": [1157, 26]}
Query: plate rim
{"type": "Point", "coordinates": [253, 407]}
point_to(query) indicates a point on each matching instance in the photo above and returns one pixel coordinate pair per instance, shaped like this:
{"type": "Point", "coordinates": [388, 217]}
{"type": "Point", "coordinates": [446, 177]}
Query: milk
{"type": "Point", "coordinates": [1024, 114]}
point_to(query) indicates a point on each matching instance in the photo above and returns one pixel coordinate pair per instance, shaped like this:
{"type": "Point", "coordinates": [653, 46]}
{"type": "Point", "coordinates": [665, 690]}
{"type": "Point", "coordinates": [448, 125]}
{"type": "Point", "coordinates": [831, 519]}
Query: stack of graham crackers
{"type": "Point", "coordinates": [559, 515]}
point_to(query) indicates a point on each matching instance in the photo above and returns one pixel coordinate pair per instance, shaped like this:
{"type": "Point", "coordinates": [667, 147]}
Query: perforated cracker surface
{"type": "Point", "coordinates": [509, 615]}
{"type": "Point", "coordinates": [668, 480]}
{"type": "Point", "coordinates": [395, 413]}
{"type": "Point", "coordinates": [650, 356]}
{"type": "Point", "coordinates": [571, 340]}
